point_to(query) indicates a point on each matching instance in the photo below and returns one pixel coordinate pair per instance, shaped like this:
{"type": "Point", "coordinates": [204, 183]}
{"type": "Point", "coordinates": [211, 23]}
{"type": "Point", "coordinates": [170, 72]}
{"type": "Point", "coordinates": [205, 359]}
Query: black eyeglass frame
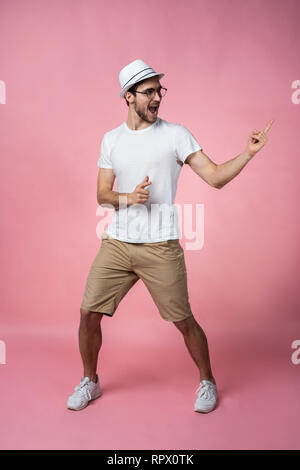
{"type": "Point", "coordinates": [145, 92]}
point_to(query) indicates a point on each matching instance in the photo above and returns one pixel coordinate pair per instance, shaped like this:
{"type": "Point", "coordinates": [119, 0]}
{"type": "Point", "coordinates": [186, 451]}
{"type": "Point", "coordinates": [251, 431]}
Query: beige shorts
{"type": "Point", "coordinates": [118, 265]}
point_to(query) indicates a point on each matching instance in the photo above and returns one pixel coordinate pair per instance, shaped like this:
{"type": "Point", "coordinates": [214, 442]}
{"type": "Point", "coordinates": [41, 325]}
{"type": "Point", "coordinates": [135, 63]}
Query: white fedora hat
{"type": "Point", "coordinates": [135, 72]}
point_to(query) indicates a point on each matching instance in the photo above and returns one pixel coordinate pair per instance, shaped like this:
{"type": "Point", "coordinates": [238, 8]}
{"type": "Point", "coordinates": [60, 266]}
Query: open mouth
{"type": "Point", "coordinates": [153, 109]}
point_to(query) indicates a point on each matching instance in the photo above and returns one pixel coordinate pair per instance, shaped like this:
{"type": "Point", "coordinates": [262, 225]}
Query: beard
{"type": "Point", "coordinates": [146, 116]}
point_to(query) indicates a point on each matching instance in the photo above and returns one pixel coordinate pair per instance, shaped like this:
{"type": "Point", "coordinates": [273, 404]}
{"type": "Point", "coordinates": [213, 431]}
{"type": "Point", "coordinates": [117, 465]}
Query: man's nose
{"type": "Point", "coordinates": [157, 95]}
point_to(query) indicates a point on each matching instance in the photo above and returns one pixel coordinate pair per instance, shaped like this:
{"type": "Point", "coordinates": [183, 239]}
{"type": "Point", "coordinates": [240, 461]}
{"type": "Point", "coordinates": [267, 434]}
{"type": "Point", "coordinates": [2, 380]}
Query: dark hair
{"type": "Point", "coordinates": [133, 89]}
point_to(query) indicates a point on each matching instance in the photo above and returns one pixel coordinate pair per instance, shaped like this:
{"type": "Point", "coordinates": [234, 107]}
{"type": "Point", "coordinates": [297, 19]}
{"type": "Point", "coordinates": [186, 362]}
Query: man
{"type": "Point", "coordinates": [147, 152]}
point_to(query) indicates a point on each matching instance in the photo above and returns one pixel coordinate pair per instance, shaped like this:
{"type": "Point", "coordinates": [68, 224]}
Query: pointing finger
{"type": "Point", "coordinates": [142, 185]}
{"type": "Point", "coordinates": [268, 126]}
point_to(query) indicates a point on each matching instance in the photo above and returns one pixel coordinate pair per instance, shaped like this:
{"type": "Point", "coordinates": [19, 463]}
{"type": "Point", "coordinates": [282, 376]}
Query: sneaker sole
{"type": "Point", "coordinates": [202, 411]}
{"type": "Point", "coordinates": [82, 408]}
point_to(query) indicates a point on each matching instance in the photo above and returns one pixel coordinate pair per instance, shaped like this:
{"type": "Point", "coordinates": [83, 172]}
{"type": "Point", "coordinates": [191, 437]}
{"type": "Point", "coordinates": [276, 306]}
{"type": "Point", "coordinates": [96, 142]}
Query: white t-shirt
{"type": "Point", "coordinates": [158, 151]}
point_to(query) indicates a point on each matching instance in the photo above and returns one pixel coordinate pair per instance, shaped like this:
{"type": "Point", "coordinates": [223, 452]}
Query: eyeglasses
{"type": "Point", "coordinates": [150, 92]}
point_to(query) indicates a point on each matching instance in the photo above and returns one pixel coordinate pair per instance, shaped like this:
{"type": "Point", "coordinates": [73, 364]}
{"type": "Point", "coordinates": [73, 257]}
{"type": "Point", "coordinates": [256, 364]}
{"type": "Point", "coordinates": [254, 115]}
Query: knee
{"type": "Point", "coordinates": [87, 315]}
{"type": "Point", "coordinates": [84, 313]}
{"type": "Point", "coordinates": [185, 325]}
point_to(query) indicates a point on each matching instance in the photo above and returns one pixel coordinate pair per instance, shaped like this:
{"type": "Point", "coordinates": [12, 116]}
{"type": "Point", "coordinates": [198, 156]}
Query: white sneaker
{"type": "Point", "coordinates": [86, 391]}
{"type": "Point", "coordinates": [207, 397]}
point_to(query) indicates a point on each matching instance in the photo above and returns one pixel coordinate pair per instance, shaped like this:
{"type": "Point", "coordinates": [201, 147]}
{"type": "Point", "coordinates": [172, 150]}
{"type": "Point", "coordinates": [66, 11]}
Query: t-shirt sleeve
{"type": "Point", "coordinates": [185, 142]}
{"type": "Point", "coordinates": [104, 160]}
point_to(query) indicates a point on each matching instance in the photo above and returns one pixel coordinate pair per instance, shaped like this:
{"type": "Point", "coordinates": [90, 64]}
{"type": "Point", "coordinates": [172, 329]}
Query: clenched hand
{"type": "Point", "coordinates": [140, 195]}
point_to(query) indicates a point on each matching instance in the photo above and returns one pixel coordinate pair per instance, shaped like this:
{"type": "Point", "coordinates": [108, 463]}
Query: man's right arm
{"type": "Point", "coordinates": [106, 197]}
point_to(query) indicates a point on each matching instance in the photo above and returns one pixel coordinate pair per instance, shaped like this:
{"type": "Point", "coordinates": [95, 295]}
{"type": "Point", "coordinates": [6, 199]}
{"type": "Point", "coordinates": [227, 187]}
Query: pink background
{"type": "Point", "coordinates": [229, 68]}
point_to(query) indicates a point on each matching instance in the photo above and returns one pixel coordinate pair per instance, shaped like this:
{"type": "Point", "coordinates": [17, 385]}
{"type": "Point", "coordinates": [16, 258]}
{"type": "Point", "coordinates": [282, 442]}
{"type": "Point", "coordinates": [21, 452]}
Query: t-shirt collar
{"type": "Point", "coordinates": [140, 131]}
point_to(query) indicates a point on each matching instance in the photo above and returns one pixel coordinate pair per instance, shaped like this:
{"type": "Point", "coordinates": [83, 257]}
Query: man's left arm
{"type": "Point", "coordinates": [219, 175]}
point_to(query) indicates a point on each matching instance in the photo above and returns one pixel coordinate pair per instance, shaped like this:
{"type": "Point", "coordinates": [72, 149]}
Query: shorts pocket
{"type": "Point", "coordinates": [174, 251]}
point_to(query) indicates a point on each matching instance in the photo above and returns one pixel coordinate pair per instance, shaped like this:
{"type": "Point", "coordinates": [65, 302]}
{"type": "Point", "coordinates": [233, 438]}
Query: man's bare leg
{"type": "Point", "coordinates": [90, 341]}
{"type": "Point", "coordinates": [196, 342]}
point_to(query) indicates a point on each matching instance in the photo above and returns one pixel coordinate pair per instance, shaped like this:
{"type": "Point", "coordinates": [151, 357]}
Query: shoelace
{"type": "Point", "coordinates": [83, 390]}
{"type": "Point", "coordinates": [206, 390]}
